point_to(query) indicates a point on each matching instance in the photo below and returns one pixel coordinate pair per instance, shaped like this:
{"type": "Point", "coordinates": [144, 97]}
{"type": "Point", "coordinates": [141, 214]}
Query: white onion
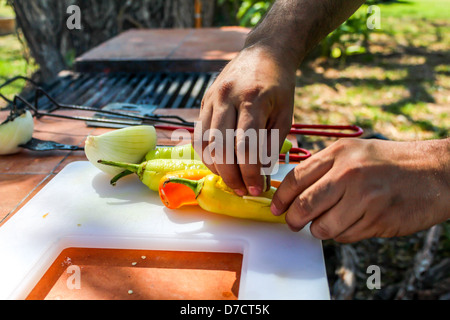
{"type": "Point", "coordinates": [16, 132]}
{"type": "Point", "coordinates": [128, 145]}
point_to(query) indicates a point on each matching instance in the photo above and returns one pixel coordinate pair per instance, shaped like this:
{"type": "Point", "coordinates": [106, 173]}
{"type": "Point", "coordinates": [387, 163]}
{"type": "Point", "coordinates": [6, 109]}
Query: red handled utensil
{"type": "Point", "coordinates": [300, 154]}
{"type": "Point", "coordinates": [323, 130]}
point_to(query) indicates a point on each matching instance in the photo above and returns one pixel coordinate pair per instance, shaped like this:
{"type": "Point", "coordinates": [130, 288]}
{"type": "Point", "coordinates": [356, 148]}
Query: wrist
{"type": "Point", "coordinates": [288, 58]}
{"type": "Point", "coordinates": [285, 40]}
{"type": "Point", "coordinates": [443, 160]}
{"type": "Point", "coordinates": [439, 151]}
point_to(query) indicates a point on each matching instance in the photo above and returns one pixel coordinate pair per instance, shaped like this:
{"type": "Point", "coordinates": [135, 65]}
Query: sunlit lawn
{"type": "Point", "coordinates": [5, 11]}
{"type": "Point", "coordinates": [12, 61]}
{"type": "Point", "coordinates": [401, 89]}
{"type": "Point", "coordinates": [429, 9]}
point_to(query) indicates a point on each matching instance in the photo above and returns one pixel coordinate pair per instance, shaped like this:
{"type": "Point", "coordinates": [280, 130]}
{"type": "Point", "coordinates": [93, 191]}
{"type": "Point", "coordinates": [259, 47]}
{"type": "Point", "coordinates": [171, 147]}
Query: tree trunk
{"type": "Point", "coordinates": [54, 46]}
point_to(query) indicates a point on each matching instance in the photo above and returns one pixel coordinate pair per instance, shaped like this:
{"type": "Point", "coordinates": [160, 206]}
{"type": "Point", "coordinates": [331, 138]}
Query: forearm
{"type": "Point", "coordinates": [426, 163]}
{"type": "Point", "coordinates": [431, 160]}
{"type": "Point", "coordinates": [293, 27]}
{"type": "Point", "coordinates": [441, 151]}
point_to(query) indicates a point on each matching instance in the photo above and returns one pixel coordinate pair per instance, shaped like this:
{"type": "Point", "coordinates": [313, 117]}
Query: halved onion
{"type": "Point", "coordinates": [128, 145]}
{"type": "Point", "coordinates": [14, 132]}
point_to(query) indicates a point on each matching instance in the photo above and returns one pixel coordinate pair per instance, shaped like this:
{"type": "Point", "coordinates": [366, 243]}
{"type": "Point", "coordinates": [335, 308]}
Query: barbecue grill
{"type": "Point", "coordinates": [148, 69]}
{"type": "Point", "coordinates": [153, 89]}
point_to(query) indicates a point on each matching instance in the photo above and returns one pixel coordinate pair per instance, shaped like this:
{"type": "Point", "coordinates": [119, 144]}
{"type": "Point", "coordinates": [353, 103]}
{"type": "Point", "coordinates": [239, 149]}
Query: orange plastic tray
{"type": "Point", "coordinates": [109, 274]}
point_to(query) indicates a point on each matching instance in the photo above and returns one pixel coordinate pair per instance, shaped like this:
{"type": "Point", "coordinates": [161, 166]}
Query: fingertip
{"type": "Point", "coordinates": [294, 229]}
{"type": "Point", "coordinates": [253, 180]}
{"type": "Point", "coordinates": [240, 192]}
{"type": "Point", "coordinates": [275, 210]}
{"type": "Point", "coordinates": [255, 191]}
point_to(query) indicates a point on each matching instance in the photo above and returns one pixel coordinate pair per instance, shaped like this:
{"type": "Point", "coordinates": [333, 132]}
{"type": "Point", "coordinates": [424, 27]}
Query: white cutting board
{"type": "Point", "coordinates": [79, 208]}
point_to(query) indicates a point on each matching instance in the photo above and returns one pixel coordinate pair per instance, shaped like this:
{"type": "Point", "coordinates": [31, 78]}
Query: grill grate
{"type": "Point", "coordinates": [160, 90]}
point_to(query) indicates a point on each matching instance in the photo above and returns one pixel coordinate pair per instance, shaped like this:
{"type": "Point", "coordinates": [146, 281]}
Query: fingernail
{"type": "Point", "coordinates": [275, 210]}
{"type": "Point", "coordinates": [240, 192]}
{"type": "Point", "coordinates": [295, 229]}
{"type": "Point", "coordinates": [255, 191]}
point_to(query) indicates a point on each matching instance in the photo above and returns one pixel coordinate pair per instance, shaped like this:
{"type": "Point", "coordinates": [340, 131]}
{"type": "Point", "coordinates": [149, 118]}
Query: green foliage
{"type": "Point", "coordinates": [252, 11]}
{"type": "Point", "coordinates": [350, 38]}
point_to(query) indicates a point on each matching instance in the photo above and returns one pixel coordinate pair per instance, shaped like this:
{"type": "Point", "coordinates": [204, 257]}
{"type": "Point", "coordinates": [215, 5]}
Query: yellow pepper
{"type": "Point", "coordinates": [213, 195]}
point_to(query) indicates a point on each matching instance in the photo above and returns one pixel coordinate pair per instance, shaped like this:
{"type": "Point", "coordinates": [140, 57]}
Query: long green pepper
{"type": "Point", "coordinates": [150, 172]}
{"type": "Point", "coordinates": [187, 152]}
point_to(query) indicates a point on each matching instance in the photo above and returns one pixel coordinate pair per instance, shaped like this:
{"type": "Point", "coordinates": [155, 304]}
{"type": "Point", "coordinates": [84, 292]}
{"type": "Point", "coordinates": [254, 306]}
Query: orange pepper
{"type": "Point", "coordinates": [175, 195]}
{"type": "Point", "coordinates": [275, 183]}
{"type": "Point", "coordinates": [213, 195]}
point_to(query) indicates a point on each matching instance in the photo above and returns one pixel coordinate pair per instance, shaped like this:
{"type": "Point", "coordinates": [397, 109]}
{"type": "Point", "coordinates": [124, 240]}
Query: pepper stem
{"type": "Point", "coordinates": [194, 185]}
{"type": "Point", "coordinates": [120, 176]}
{"type": "Point", "coordinates": [128, 166]}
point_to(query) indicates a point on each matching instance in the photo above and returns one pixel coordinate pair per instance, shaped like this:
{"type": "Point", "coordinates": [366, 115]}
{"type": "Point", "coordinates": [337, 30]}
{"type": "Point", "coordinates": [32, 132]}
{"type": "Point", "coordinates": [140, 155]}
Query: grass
{"type": "Point", "coordinates": [428, 9]}
{"type": "Point", "coordinates": [5, 10]}
{"type": "Point", "coordinates": [400, 89]}
{"type": "Point", "coordinates": [13, 59]}
{"type": "Point", "coordinates": [13, 63]}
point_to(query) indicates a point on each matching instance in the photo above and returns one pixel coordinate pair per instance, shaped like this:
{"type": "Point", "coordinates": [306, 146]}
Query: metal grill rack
{"type": "Point", "coordinates": [159, 89]}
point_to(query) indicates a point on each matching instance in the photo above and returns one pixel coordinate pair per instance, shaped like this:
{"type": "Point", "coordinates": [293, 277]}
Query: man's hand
{"type": "Point", "coordinates": [358, 189]}
{"type": "Point", "coordinates": [255, 91]}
